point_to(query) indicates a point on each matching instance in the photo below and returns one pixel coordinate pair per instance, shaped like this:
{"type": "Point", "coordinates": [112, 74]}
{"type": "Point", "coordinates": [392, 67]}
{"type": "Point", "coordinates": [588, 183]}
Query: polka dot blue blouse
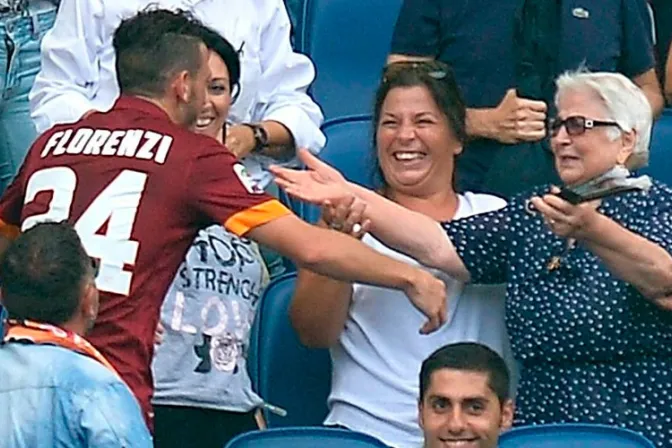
{"type": "Point", "coordinates": [592, 349]}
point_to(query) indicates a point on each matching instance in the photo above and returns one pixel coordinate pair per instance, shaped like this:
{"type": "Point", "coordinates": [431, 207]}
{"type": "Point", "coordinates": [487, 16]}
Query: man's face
{"type": "Point", "coordinates": [460, 410]}
{"type": "Point", "coordinates": [198, 85]}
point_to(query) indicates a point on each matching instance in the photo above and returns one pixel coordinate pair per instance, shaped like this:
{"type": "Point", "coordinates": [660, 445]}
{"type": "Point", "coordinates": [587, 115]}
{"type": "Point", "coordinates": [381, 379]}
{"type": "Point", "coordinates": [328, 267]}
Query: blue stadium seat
{"type": "Point", "coordinates": [660, 160]}
{"type": "Point", "coordinates": [348, 40]}
{"type": "Point", "coordinates": [304, 438]}
{"type": "Point", "coordinates": [349, 149]}
{"type": "Point", "coordinates": [284, 372]}
{"type": "Point", "coordinates": [572, 435]}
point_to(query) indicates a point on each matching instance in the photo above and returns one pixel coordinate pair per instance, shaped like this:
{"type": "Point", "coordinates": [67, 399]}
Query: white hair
{"type": "Point", "coordinates": [624, 102]}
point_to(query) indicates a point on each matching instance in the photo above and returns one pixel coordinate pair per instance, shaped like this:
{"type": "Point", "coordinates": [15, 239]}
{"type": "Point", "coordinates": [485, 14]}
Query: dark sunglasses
{"type": "Point", "coordinates": [432, 68]}
{"type": "Point", "coordinates": [576, 125]}
{"type": "Point", "coordinates": [95, 266]}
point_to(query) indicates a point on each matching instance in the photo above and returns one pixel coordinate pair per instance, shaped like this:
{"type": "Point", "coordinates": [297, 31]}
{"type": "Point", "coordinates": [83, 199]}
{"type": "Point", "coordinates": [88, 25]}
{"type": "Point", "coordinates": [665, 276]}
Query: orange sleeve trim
{"type": "Point", "coordinates": [246, 220]}
{"type": "Point", "coordinates": [9, 231]}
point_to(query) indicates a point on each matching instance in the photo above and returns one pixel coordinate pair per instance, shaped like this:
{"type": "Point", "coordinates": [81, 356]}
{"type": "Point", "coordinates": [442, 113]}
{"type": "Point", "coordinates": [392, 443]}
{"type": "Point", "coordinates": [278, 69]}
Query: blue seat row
{"type": "Point", "coordinates": [297, 379]}
{"type": "Point", "coordinates": [348, 42]}
{"type": "Point", "coordinates": [660, 150]}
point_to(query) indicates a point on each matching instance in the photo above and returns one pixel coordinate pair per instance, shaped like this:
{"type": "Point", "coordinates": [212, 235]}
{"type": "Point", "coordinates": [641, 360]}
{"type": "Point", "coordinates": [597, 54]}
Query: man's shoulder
{"type": "Point", "coordinates": [55, 365]}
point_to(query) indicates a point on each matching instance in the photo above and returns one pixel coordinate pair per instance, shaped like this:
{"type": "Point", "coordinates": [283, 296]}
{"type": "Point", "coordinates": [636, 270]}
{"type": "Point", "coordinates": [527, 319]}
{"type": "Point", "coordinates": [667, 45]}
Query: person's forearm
{"type": "Point", "coordinates": [655, 98]}
{"type": "Point", "coordinates": [668, 76]}
{"type": "Point", "coordinates": [632, 258]}
{"type": "Point", "coordinates": [280, 141]}
{"type": "Point", "coordinates": [648, 82]}
{"type": "Point", "coordinates": [479, 123]}
{"type": "Point", "coordinates": [320, 322]}
{"type": "Point", "coordinates": [344, 258]}
{"type": "Point", "coordinates": [412, 233]}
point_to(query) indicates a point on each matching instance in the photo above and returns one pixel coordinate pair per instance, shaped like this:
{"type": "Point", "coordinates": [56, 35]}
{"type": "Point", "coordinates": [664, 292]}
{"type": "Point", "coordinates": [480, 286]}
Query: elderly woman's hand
{"type": "Point", "coordinates": [565, 219]}
{"type": "Point", "coordinates": [347, 216]}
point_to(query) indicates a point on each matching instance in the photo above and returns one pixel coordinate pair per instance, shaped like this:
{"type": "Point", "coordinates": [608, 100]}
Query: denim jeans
{"type": "Point", "coordinates": [20, 35]}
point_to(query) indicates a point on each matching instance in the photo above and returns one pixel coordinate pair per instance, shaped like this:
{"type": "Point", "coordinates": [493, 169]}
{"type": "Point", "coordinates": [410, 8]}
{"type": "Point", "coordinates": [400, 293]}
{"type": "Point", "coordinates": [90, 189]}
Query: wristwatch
{"type": "Point", "coordinates": [260, 136]}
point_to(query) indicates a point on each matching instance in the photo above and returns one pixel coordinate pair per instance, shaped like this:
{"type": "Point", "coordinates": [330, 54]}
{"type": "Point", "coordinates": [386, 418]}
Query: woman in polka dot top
{"type": "Point", "coordinates": [589, 286]}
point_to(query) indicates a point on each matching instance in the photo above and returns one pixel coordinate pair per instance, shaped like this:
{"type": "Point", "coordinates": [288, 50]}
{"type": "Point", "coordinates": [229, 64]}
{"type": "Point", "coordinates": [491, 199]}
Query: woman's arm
{"type": "Point", "coordinates": [412, 233]}
{"type": "Point", "coordinates": [319, 308]}
{"type": "Point", "coordinates": [668, 76]}
{"type": "Point", "coordinates": [631, 257]}
{"type": "Point", "coordinates": [319, 323]}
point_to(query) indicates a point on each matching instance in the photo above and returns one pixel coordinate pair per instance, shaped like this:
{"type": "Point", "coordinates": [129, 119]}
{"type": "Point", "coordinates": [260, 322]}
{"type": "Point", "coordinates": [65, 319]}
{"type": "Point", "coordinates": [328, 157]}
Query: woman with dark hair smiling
{"type": "Point", "coordinates": [203, 393]}
{"type": "Point", "coordinates": [419, 120]}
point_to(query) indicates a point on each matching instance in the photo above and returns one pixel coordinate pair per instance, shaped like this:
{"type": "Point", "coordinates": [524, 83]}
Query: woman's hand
{"type": "Point", "coordinates": [565, 219]}
{"type": "Point", "coordinates": [239, 140]}
{"type": "Point", "coordinates": [318, 184]}
{"type": "Point", "coordinates": [346, 217]}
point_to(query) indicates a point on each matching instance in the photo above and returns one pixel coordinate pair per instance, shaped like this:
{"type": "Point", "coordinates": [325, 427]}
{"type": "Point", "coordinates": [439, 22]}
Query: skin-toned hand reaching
{"type": "Point", "coordinates": [347, 217]}
{"type": "Point", "coordinates": [320, 184]}
{"type": "Point", "coordinates": [565, 219]}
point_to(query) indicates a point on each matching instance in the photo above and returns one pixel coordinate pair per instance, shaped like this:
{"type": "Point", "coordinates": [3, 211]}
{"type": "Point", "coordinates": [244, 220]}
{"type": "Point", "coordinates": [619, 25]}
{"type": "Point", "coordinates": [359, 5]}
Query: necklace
{"type": "Point", "coordinates": [556, 260]}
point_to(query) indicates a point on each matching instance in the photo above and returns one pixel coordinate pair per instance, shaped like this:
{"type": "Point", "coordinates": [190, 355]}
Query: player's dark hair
{"type": "Point", "coordinates": [471, 357]}
{"type": "Point", "coordinates": [42, 274]}
{"type": "Point", "coordinates": [152, 47]}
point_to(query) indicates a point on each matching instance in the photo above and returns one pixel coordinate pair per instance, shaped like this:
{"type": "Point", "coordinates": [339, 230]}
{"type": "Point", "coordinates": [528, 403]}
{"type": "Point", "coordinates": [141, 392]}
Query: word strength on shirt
{"type": "Point", "coordinates": [134, 143]}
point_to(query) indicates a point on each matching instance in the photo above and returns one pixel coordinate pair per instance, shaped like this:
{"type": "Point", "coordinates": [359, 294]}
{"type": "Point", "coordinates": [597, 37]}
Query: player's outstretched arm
{"type": "Point", "coordinates": [339, 256]}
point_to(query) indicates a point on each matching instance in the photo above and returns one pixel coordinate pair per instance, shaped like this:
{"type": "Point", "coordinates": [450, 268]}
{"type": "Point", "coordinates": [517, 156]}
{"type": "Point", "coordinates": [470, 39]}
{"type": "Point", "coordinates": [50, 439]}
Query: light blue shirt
{"type": "Point", "coordinates": [53, 397]}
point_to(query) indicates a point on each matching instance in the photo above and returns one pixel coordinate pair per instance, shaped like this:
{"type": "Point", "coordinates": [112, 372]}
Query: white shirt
{"type": "Point", "coordinates": [376, 362]}
{"type": "Point", "coordinates": [78, 71]}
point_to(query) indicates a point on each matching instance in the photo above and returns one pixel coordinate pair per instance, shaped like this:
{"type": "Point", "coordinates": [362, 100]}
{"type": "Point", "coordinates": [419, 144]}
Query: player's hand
{"type": "Point", "coordinates": [347, 217]}
{"type": "Point", "coordinates": [318, 184]}
{"type": "Point", "coordinates": [239, 140]}
{"type": "Point", "coordinates": [428, 294]}
{"type": "Point", "coordinates": [518, 119]}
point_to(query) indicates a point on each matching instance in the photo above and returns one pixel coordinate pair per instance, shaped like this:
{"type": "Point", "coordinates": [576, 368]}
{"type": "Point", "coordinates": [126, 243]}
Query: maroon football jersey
{"type": "Point", "coordinates": [137, 188]}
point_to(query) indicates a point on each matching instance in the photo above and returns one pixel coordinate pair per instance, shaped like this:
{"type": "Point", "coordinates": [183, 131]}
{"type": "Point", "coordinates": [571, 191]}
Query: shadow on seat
{"type": "Point", "coordinates": [284, 372]}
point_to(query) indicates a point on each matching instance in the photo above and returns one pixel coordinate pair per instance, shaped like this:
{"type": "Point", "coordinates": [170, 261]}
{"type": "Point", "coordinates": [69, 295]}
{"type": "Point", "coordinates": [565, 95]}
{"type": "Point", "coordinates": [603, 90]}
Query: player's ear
{"type": "Point", "coordinates": [182, 86]}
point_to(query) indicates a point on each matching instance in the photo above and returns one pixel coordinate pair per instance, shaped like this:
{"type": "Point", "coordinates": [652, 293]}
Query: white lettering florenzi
{"type": "Point", "coordinates": [134, 143]}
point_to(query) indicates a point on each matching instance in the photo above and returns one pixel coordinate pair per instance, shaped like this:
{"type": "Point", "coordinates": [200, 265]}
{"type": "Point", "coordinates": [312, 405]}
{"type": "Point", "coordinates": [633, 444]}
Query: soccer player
{"type": "Point", "coordinates": [137, 186]}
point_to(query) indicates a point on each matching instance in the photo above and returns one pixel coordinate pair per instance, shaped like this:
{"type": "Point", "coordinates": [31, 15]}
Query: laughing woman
{"type": "Point", "coordinates": [589, 286]}
{"type": "Point", "coordinates": [373, 332]}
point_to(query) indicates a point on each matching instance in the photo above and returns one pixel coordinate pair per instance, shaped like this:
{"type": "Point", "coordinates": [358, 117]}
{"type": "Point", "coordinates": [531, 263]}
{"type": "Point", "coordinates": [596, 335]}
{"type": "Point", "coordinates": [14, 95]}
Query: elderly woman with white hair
{"type": "Point", "coordinates": [589, 284]}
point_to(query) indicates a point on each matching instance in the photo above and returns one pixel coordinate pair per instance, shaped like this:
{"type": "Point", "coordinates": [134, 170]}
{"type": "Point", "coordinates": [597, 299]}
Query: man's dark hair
{"type": "Point", "coordinates": [471, 357]}
{"type": "Point", "coordinates": [42, 274]}
{"type": "Point", "coordinates": [152, 47]}
{"type": "Point", "coordinates": [217, 43]}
